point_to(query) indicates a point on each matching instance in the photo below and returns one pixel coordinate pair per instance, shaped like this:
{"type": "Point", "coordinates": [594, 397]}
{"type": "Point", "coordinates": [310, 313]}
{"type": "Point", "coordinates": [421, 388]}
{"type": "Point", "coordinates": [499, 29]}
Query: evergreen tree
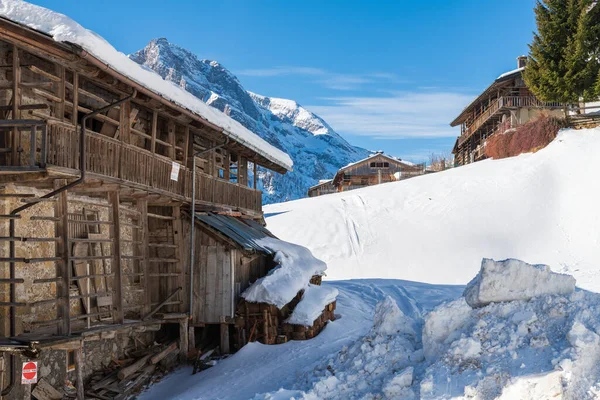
{"type": "Point", "coordinates": [563, 58]}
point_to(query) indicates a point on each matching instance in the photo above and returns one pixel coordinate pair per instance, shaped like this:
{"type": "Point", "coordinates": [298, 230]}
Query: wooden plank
{"type": "Point", "coordinates": [62, 269]}
{"type": "Point", "coordinates": [116, 261]}
{"type": "Point", "coordinates": [211, 277]}
{"type": "Point", "coordinates": [154, 131]}
{"type": "Point", "coordinates": [183, 339]}
{"type": "Point", "coordinates": [167, 350]}
{"type": "Point", "coordinates": [142, 206]}
{"type": "Point", "coordinates": [81, 268]}
{"type": "Point", "coordinates": [180, 253]}
{"type": "Point", "coordinates": [127, 371]}
{"type": "Point", "coordinates": [16, 100]}
{"type": "Point", "coordinates": [44, 391]}
{"type": "Point", "coordinates": [171, 138]}
{"type": "Point", "coordinates": [60, 92]}
{"type": "Point", "coordinates": [79, 366]}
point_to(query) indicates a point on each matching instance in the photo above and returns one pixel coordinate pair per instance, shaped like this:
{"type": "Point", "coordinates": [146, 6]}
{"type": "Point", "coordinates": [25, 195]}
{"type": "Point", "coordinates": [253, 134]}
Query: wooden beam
{"type": "Point", "coordinates": [154, 129]}
{"type": "Point", "coordinates": [125, 122]}
{"type": "Point", "coordinates": [63, 267]}
{"type": "Point", "coordinates": [60, 93]}
{"type": "Point", "coordinates": [182, 256]}
{"type": "Point", "coordinates": [254, 177]}
{"type": "Point", "coordinates": [117, 286]}
{"type": "Point", "coordinates": [142, 207]}
{"type": "Point", "coordinates": [171, 138]}
{"type": "Point", "coordinates": [75, 98]}
{"type": "Point", "coordinates": [183, 339]}
{"type": "Point", "coordinates": [16, 100]}
{"type": "Point", "coordinates": [186, 149]}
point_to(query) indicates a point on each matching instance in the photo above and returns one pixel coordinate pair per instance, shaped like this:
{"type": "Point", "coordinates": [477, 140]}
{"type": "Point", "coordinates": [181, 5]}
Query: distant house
{"type": "Point", "coordinates": [505, 104]}
{"type": "Point", "coordinates": [325, 186]}
{"type": "Point", "coordinates": [373, 170]}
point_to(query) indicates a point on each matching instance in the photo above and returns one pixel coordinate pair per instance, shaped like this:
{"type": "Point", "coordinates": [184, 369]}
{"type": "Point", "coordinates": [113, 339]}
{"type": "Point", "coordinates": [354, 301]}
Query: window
{"type": "Point", "coordinates": [380, 165]}
{"type": "Point", "coordinates": [70, 360]}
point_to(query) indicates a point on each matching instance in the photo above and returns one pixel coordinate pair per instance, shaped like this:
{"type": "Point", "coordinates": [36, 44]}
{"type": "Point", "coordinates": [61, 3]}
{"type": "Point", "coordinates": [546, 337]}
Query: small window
{"type": "Point", "coordinates": [70, 360]}
{"type": "Point", "coordinates": [380, 165]}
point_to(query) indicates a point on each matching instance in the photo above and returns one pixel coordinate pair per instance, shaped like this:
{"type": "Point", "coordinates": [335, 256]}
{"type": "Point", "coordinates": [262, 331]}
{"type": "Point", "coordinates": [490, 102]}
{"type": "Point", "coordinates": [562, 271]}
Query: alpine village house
{"type": "Point", "coordinates": [373, 170]}
{"type": "Point", "coordinates": [103, 250]}
{"type": "Point", "coordinates": [505, 104]}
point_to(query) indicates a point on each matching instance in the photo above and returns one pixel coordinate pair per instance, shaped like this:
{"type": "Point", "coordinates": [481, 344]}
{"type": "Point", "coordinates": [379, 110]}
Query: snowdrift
{"type": "Point", "coordinates": [545, 347]}
{"type": "Point", "coordinates": [541, 208]}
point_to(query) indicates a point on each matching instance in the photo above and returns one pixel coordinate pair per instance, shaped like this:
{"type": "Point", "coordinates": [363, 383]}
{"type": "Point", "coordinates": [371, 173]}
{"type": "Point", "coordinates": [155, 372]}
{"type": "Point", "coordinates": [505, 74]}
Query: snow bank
{"type": "Point", "coordinates": [64, 29]}
{"type": "Point", "coordinates": [296, 266]}
{"type": "Point", "coordinates": [314, 299]}
{"type": "Point", "coordinates": [380, 362]}
{"type": "Point", "coordinates": [512, 279]}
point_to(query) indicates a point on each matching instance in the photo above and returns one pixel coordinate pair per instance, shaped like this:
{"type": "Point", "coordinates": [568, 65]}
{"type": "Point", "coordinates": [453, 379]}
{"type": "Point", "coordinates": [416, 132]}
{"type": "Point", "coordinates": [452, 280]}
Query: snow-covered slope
{"type": "Point", "coordinates": [541, 208]}
{"type": "Point", "coordinates": [316, 149]}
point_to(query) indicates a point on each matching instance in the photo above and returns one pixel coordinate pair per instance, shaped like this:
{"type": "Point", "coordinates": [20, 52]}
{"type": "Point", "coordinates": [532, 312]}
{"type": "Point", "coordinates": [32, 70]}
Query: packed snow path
{"type": "Point", "coordinates": [258, 368]}
{"type": "Point", "coordinates": [541, 208]}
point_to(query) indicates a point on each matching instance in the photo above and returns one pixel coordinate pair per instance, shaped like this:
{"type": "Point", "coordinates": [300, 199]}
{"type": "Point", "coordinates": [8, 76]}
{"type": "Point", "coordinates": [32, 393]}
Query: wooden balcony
{"type": "Point", "coordinates": [494, 111]}
{"type": "Point", "coordinates": [111, 160]}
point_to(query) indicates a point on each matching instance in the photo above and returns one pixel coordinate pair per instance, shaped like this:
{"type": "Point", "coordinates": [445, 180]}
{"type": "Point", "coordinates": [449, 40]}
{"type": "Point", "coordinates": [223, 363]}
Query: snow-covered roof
{"type": "Point", "coordinates": [514, 71]}
{"type": "Point", "coordinates": [295, 267]}
{"type": "Point", "coordinates": [321, 182]}
{"type": "Point", "coordinates": [391, 158]}
{"type": "Point", "coordinates": [313, 302]}
{"type": "Point", "coordinates": [63, 29]}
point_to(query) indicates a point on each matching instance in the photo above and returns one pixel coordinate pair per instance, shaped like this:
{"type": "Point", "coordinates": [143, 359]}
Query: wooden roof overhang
{"type": "Point", "coordinates": [74, 57]}
{"type": "Point", "coordinates": [495, 86]}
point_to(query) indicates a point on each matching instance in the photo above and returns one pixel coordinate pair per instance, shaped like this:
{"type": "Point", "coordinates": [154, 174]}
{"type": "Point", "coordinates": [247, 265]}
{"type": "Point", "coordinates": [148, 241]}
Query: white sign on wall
{"type": "Point", "coordinates": [29, 372]}
{"type": "Point", "coordinates": [175, 171]}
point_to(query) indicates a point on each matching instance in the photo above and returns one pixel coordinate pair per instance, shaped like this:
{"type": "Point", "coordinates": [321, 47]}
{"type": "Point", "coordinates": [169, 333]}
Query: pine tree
{"type": "Point", "coordinates": [563, 57]}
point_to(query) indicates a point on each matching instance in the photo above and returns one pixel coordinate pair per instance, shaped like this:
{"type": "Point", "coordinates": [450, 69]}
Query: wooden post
{"type": "Point", "coordinates": [117, 286]}
{"type": "Point", "coordinates": [60, 92]}
{"type": "Point", "coordinates": [154, 129]}
{"type": "Point", "coordinates": [191, 340]}
{"type": "Point", "coordinates": [180, 254]}
{"type": "Point", "coordinates": [16, 101]}
{"type": "Point", "coordinates": [142, 206]}
{"type": "Point", "coordinates": [186, 148]}
{"type": "Point", "coordinates": [79, 365]}
{"type": "Point", "coordinates": [255, 177]}
{"type": "Point", "coordinates": [183, 339]}
{"type": "Point", "coordinates": [63, 267]}
{"type": "Point", "coordinates": [226, 165]}
{"type": "Point", "coordinates": [266, 325]}
{"type": "Point", "coordinates": [171, 138]}
{"type": "Point", "coordinates": [224, 338]}
{"type": "Point", "coordinates": [124, 122]}
{"type": "Point", "coordinates": [75, 98]}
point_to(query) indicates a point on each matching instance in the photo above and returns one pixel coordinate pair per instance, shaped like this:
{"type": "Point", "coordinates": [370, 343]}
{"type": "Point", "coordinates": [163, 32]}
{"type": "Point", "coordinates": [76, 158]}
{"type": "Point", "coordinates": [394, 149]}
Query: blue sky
{"type": "Point", "coordinates": [387, 75]}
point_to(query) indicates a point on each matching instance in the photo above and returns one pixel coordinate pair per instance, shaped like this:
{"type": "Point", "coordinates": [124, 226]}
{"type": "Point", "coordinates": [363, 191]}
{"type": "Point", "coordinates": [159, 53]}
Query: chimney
{"type": "Point", "coordinates": [521, 61]}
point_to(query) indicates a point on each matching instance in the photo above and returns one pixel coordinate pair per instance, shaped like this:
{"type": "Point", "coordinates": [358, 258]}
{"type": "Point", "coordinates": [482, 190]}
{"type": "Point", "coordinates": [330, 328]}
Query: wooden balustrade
{"type": "Point", "coordinates": [127, 163]}
{"type": "Point", "coordinates": [504, 102]}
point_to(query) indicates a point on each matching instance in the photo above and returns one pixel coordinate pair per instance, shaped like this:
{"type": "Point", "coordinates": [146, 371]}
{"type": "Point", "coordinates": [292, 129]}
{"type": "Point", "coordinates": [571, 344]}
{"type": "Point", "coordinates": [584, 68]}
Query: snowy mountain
{"type": "Point", "coordinates": [316, 149]}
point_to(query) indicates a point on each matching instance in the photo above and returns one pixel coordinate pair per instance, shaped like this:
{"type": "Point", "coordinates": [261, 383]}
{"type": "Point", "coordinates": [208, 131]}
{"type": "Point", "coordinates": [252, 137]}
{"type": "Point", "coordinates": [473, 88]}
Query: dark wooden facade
{"type": "Point", "coordinates": [111, 253]}
{"type": "Point", "coordinates": [505, 104]}
{"type": "Point", "coordinates": [324, 187]}
{"type": "Point", "coordinates": [374, 170]}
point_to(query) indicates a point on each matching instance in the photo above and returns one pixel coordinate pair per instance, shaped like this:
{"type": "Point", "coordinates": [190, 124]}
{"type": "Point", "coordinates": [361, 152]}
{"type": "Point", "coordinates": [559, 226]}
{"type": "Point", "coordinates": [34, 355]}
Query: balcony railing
{"type": "Point", "coordinates": [502, 103]}
{"type": "Point", "coordinates": [139, 168]}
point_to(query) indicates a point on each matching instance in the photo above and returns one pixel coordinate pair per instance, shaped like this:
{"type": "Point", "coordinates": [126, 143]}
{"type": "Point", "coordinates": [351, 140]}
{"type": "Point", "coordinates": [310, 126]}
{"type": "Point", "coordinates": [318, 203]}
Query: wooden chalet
{"type": "Point", "coordinates": [324, 186]}
{"type": "Point", "coordinates": [374, 170]}
{"type": "Point", "coordinates": [505, 104]}
{"type": "Point", "coordinates": [96, 190]}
